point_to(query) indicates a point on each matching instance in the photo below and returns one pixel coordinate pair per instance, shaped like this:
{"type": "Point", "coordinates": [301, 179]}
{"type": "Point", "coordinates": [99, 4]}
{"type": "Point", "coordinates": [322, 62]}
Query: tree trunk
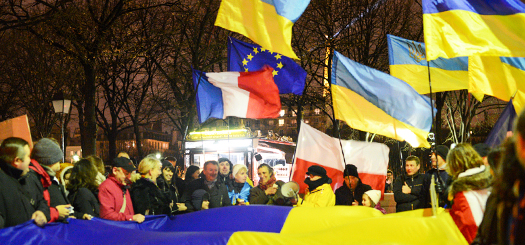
{"type": "Point", "coordinates": [89, 131]}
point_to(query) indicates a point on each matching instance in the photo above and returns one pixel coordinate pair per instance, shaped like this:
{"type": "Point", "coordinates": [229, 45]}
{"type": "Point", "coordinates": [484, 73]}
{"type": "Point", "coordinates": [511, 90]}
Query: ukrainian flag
{"type": "Point", "coordinates": [252, 224]}
{"type": "Point", "coordinates": [266, 22]}
{"type": "Point", "coordinates": [408, 63]}
{"type": "Point", "coordinates": [501, 77]}
{"type": "Point", "coordinates": [373, 101]}
{"type": "Point", "coordinates": [456, 28]}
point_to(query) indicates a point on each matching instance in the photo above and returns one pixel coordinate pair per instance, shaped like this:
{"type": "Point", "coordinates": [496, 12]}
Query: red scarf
{"type": "Point", "coordinates": [270, 182]}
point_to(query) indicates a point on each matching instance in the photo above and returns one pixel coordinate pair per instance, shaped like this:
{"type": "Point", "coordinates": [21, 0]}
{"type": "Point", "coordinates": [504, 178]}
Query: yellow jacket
{"type": "Point", "coordinates": [322, 196]}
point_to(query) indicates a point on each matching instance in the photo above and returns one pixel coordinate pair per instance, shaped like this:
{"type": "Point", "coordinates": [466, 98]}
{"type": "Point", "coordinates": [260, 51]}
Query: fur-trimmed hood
{"type": "Point", "coordinates": [477, 181]}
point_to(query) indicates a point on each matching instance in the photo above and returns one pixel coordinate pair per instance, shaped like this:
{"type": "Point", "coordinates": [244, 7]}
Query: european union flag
{"type": "Point", "coordinates": [288, 75]}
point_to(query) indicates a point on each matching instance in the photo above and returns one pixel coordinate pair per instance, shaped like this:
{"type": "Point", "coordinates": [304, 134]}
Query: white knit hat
{"type": "Point", "coordinates": [237, 168]}
{"type": "Point", "coordinates": [374, 195]}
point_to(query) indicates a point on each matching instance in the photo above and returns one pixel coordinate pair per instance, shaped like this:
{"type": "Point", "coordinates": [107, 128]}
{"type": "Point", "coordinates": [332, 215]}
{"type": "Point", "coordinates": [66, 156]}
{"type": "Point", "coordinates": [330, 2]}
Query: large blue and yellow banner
{"type": "Point", "coordinates": [373, 101]}
{"type": "Point", "coordinates": [266, 22]}
{"type": "Point", "coordinates": [254, 224]}
{"type": "Point", "coordinates": [458, 28]}
{"type": "Point", "coordinates": [288, 75]}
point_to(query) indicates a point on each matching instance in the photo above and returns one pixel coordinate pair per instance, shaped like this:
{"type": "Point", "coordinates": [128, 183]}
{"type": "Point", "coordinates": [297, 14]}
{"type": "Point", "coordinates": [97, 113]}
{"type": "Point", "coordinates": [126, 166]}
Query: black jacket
{"type": "Point", "coordinates": [420, 184]}
{"type": "Point", "coordinates": [145, 195]}
{"type": "Point", "coordinates": [32, 185]}
{"type": "Point", "coordinates": [15, 203]}
{"type": "Point", "coordinates": [85, 201]}
{"type": "Point", "coordinates": [344, 195]}
{"type": "Point", "coordinates": [218, 194]}
{"type": "Point", "coordinates": [170, 192]}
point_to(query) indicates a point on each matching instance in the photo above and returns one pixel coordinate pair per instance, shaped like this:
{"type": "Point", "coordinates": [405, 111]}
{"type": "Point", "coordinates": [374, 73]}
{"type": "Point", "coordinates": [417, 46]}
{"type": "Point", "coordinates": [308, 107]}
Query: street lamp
{"type": "Point", "coordinates": [62, 106]}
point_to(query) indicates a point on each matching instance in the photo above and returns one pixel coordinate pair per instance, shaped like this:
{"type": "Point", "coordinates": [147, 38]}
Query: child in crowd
{"type": "Point", "coordinates": [371, 199]}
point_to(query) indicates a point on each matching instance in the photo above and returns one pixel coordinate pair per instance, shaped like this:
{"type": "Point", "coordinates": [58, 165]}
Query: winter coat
{"type": "Point", "coordinates": [15, 202]}
{"type": "Point", "coordinates": [470, 191]}
{"type": "Point", "coordinates": [420, 184]}
{"type": "Point", "coordinates": [111, 194]}
{"type": "Point", "coordinates": [244, 194]}
{"type": "Point", "coordinates": [258, 196]}
{"type": "Point", "coordinates": [322, 196]}
{"type": "Point", "coordinates": [148, 199]}
{"type": "Point", "coordinates": [170, 192]}
{"type": "Point", "coordinates": [345, 196]}
{"type": "Point", "coordinates": [50, 187]}
{"type": "Point", "coordinates": [218, 194]}
{"type": "Point", "coordinates": [85, 201]}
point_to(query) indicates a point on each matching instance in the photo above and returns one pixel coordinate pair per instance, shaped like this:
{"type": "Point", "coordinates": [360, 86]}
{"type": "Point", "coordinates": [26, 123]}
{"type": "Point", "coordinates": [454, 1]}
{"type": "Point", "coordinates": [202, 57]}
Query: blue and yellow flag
{"type": "Point", "coordinates": [457, 28]}
{"type": "Point", "coordinates": [373, 101]}
{"type": "Point", "coordinates": [266, 22]}
{"type": "Point", "coordinates": [252, 224]}
{"type": "Point", "coordinates": [288, 75]}
{"type": "Point", "coordinates": [501, 77]}
{"type": "Point", "coordinates": [408, 63]}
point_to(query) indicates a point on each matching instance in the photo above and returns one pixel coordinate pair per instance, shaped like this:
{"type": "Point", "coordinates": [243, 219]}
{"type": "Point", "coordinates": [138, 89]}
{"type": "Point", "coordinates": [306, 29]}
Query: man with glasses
{"type": "Point", "coordinates": [115, 201]}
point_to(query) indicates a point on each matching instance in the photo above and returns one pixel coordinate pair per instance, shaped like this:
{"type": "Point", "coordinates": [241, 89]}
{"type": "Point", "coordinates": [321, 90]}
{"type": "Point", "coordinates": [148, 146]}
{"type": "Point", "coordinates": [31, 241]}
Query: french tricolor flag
{"type": "Point", "coordinates": [239, 94]}
{"type": "Point", "coordinates": [316, 148]}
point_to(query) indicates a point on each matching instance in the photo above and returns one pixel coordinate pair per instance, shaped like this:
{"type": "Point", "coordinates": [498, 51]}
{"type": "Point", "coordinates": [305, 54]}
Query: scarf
{"type": "Point", "coordinates": [210, 184]}
{"type": "Point", "coordinates": [312, 185]}
{"type": "Point", "coordinates": [270, 182]}
{"type": "Point", "coordinates": [237, 187]}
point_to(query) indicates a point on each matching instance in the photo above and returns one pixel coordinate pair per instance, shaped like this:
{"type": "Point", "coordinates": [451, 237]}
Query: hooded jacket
{"type": "Point", "coordinates": [470, 194]}
{"type": "Point", "coordinates": [322, 196]}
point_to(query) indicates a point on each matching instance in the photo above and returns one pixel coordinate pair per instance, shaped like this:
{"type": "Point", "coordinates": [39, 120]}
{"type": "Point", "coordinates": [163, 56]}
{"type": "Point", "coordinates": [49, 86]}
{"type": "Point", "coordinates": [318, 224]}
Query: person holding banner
{"type": "Point", "coordinates": [16, 207]}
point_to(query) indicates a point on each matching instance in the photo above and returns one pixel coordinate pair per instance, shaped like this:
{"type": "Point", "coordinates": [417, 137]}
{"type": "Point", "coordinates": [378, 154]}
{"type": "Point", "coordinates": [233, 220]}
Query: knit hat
{"type": "Point", "coordinates": [374, 195]}
{"type": "Point", "coordinates": [237, 168]}
{"type": "Point", "coordinates": [47, 152]}
{"type": "Point", "coordinates": [167, 164]}
{"type": "Point", "coordinates": [442, 151]}
{"type": "Point", "coordinates": [350, 170]}
{"type": "Point", "coordinates": [316, 171]}
{"type": "Point", "coordinates": [482, 149]}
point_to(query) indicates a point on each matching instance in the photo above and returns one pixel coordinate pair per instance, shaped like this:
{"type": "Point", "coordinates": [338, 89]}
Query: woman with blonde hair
{"type": "Point", "coordinates": [146, 196]}
{"type": "Point", "coordinates": [469, 190]}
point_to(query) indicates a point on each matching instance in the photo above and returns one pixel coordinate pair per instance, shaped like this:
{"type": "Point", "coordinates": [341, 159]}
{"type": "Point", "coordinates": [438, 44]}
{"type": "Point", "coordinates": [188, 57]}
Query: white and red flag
{"type": "Point", "coordinates": [316, 148]}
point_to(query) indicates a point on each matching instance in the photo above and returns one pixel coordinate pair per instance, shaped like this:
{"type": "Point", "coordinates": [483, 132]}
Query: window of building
{"type": "Point", "coordinates": [293, 114]}
{"type": "Point", "coordinates": [247, 123]}
{"type": "Point", "coordinates": [317, 111]}
{"type": "Point", "coordinates": [271, 122]}
{"type": "Point", "coordinates": [281, 122]}
{"type": "Point", "coordinates": [306, 121]}
{"type": "Point", "coordinates": [282, 112]}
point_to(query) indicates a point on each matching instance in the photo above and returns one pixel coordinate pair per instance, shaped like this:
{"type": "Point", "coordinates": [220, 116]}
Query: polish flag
{"type": "Point", "coordinates": [238, 94]}
{"type": "Point", "coordinates": [316, 148]}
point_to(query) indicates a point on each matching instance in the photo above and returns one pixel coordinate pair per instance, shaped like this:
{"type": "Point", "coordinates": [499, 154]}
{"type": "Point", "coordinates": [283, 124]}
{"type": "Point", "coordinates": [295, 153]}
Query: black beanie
{"type": "Point", "coordinates": [442, 150]}
{"type": "Point", "coordinates": [350, 170]}
{"type": "Point", "coordinates": [47, 152]}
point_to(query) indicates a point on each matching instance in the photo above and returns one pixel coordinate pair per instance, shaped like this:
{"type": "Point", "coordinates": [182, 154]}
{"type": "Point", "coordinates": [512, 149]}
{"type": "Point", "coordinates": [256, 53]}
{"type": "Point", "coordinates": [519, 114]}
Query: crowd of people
{"type": "Point", "coordinates": [481, 187]}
